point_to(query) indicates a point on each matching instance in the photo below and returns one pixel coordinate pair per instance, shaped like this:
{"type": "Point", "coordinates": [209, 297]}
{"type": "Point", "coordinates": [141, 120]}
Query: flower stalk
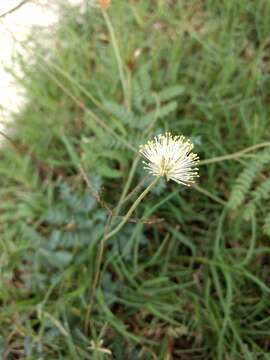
{"type": "Point", "coordinates": [131, 210]}
{"type": "Point", "coordinates": [106, 237]}
{"type": "Point", "coordinates": [167, 156]}
{"type": "Point", "coordinates": [117, 55]}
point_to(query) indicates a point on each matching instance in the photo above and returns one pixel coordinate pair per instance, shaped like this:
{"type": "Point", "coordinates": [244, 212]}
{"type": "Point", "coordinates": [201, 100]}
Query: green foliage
{"type": "Point", "coordinates": [267, 224]}
{"type": "Point", "coordinates": [244, 182]}
{"type": "Point", "coordinates": [252, 189]}
{"type": "Point", "coordinates": [185, 278]}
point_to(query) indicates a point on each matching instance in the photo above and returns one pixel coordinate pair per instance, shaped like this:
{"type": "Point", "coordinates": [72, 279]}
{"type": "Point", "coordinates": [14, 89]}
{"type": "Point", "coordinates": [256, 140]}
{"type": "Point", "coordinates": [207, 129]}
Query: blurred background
{"type": "Point", "coordinates": [17, 19]}
{"type": "Point", "coordinates": [82, 85]}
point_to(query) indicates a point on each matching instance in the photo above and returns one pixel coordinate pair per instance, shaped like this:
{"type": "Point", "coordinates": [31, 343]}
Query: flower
{"type": "Point", "coordinates": [171, 156]}
{"type": "Point", "coordinates": [102, 4]}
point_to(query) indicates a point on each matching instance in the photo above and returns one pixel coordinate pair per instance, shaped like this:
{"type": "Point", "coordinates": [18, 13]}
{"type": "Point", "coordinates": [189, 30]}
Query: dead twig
{"type": "Point", "coordinates": [93, 192]}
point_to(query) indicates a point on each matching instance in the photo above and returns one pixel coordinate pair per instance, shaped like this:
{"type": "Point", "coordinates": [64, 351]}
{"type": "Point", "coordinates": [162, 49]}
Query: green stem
{"type": "Point", "coordinates": [135, 190]}
{"type": "Point", "coordinates": [97, 274]}
{"type": "Point", "coordinates": [207, 193]}
{"type": "Point", "coordinates": [235, 155]}
{"type": "Point", "coordinates": [124, 197]}
{"type": "Point", "coordinates": [117, 55]}
{"type": "Point", "coordinates": [88, 111]}
{"type": "Point", "coordinates": [102, 246]}
{"type": "Point", "coordinates": [127, 185]}
{"type": "Point", "coordinates": [131, 210]}
{"type": "Point", "coordinates": [68, 77]}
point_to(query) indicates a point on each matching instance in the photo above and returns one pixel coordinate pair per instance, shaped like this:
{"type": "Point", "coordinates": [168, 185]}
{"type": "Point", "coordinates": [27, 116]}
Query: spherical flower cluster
{"type": "Point", "coordinates": [170, 156]}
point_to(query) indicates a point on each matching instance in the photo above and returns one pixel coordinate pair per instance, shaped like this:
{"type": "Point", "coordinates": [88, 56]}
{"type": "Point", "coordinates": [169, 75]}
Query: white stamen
{"type": "Point", "coordinates": [171, 156]}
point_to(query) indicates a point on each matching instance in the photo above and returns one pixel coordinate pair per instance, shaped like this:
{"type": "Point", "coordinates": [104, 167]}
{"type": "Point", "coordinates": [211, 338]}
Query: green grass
{"type": "Point", "coordinates": [188, 277]}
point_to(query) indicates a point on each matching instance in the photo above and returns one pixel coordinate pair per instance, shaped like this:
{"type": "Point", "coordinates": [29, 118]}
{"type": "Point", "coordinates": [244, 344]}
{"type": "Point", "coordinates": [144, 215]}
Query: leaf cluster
{"type": "Point", "coordinates": [194, 285]}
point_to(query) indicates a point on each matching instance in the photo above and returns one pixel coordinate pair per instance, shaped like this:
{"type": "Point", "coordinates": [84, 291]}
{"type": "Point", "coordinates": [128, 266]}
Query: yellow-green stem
{"type": "Point", "coordinates": [127, 185]}
{"type": "Point", "coordinates": [106, 237]}
{"type": "Point", "coordinates": [117, 55]}
{"type": "Point", "coordinates": [131, 210]}
{"type": "Point", "coordinates": [235, 155]}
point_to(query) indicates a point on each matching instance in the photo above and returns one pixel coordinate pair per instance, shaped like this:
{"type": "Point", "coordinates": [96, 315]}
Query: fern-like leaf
{"type": "Point", "coordinates": [171, 92]}
{"type": "Point", "coordinates": [262, 192]}
{"type": "Point", "coordinates": [245, 179]}
{"type": "Point", "coordinates": [249, 211]}
{"type": "Point", "coordinates": [266, 226]}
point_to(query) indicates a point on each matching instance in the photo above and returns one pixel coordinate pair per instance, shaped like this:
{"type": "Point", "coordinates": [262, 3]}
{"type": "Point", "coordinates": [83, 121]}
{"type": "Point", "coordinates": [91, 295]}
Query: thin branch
{"type": "Point", "coordinates": [17, 147]}
{"type": "Point", "coordinates": [22, 149]}
{"type": "Point", "coordinates": [235, 155]}
{"type": "Point", "coordinates": [136, 189]}
{"type": "Point", "coordinates": [97, 274]}
{"type": "Point", "coordinates": [207, 193]}
{"type": "Point", "coordinates": [17, 7]}
{"type": "Point", "coordinates": [111, 212]}
{"type": "Point", "coordinates": [93, 192]}
{"type": "Point", "coordinates": [82, 106]}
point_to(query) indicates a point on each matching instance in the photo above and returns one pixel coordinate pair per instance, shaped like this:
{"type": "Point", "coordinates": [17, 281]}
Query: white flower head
{"type": "Point", "coordinates": [171, 156]}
